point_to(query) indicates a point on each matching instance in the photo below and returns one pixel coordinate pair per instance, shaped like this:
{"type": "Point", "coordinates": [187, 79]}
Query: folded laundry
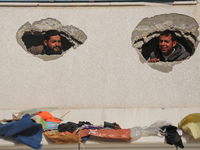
{"type": "Point", "coordinates": [25, 131]}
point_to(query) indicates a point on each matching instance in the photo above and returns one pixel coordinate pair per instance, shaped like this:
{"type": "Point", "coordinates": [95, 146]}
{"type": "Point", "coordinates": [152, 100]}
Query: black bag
{"type": "Point", "coordinates": [171, 136]}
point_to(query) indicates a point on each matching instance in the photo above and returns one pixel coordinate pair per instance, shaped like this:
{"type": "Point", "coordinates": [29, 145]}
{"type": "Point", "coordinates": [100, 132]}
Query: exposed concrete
{"type": "Point", "coordinates": [74, 35]}
{"type": "Point", "coordinates": [184, 26]}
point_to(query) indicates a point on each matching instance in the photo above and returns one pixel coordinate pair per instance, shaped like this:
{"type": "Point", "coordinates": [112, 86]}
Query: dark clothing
{"type": "Point", "coordinates": [69, 126]}
{"type": "Point", "coordinates": [179, 54]}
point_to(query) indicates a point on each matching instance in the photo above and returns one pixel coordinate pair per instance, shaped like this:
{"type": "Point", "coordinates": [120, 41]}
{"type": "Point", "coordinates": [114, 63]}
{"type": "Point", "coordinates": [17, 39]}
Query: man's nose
{"type": "Point", "coordinates": [57, 43]}
{"type": "Point", "coordinates": [162, 43]}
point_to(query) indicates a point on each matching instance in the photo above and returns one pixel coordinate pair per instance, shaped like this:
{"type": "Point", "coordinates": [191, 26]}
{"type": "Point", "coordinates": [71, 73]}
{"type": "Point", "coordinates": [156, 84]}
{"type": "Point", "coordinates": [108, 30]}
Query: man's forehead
{"type": "Point", "coordinates": [55, 37]}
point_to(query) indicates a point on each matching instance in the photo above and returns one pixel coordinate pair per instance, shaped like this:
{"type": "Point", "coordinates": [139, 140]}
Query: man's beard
{"type": "Point", "coordinates": [50, 51]}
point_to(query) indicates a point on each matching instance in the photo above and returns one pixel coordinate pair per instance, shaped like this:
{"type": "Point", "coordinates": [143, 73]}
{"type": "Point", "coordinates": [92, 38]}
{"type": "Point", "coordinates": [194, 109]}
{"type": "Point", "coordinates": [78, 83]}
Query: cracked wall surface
{"type": "Point", "coordinates": [30, 36]}
{"type": "Point", "coordinates": [145, 36]}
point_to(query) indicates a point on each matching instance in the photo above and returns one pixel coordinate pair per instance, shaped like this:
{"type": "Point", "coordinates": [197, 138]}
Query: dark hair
{"type": "Point", "coordinates": [50, 33]}
{"type": "Point", "coordinates": [168, 32]}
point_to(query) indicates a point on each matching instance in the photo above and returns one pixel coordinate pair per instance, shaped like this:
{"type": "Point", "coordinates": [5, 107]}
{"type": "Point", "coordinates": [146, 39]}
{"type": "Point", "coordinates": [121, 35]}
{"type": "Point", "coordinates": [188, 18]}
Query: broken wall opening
{"type": "Point", "coordinates": [145, 36]}
{"type": "Point", "coordinates": [34, 40]}
{"type": "Point", "coordinates": [149, 47]}
{"type": "Point", "coordinates": [31, 36]}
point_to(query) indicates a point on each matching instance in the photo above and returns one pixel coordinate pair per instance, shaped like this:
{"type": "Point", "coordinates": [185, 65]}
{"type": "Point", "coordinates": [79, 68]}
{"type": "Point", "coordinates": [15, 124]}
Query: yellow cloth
{"type": "Point", "coordinates": [191, 125]}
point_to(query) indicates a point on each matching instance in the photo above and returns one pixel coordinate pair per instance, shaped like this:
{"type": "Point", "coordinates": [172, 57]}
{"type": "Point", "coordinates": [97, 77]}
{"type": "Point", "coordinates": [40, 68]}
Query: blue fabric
{"type": "Point", "coordinates": [25, 131]}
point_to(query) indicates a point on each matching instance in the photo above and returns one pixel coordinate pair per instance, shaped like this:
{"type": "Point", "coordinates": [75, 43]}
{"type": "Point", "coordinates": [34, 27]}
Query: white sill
{"type": "Point", "coordinates": [91, 4]}
{"type": "Point", "coordinates": [104, 146]}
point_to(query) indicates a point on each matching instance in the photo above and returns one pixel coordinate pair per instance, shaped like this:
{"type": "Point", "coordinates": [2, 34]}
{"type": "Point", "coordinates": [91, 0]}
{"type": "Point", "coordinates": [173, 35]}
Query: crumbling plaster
{"type": "Point", "coordinates": [184, 26]}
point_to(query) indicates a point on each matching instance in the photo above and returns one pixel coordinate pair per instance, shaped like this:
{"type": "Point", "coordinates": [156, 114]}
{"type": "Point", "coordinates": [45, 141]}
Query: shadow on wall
{"type": "Point", "coordinates": [31, 37]}
{"type": "Point", "coordinates": [146, 35]}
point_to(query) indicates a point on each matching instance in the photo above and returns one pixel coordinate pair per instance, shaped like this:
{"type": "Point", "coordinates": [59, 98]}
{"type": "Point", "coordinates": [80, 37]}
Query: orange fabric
{"type": "Point", "coordinates": [48, 117]}
{"type": "Point", "coordinates": [105, 133]}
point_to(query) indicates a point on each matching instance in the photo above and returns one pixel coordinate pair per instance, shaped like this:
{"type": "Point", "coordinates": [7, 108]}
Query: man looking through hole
{"type": "Point", "coordinates": [168, 49]}
{"type": "Point", "coordinates": [52, 43]}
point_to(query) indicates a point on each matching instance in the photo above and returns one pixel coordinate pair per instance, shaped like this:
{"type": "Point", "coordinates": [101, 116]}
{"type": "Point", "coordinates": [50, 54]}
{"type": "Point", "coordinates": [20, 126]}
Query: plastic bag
{"type": "Point", "coordinates": [152, 130]}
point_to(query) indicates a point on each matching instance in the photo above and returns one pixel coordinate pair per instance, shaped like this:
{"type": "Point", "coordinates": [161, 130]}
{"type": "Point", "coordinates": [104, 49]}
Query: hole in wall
{"type": "Point", "coordinates": [35, 43]}
{"type": "Point", "coordinates": [149, 47]}
{"type": "Point", "coordinates": [145, 36]}
{"type": "Point", "coordinates": [31, 37]}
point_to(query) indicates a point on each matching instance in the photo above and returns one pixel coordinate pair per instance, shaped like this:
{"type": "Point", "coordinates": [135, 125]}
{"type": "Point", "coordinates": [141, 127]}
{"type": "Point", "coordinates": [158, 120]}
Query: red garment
{"type": "Point", "coordinates": [48, 117]}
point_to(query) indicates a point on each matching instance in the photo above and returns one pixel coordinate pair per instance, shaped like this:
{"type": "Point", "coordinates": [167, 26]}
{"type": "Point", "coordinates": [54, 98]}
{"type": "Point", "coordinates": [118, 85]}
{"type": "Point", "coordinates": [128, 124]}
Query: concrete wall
{"type": "Point", "coordinates": [104, 73]}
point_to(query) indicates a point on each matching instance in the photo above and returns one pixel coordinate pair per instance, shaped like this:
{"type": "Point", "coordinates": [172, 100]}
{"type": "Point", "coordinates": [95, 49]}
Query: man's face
{"type": "Point", "coordinates": [166, 45]}
{"type": "Point", "coordinates": [53, 44]}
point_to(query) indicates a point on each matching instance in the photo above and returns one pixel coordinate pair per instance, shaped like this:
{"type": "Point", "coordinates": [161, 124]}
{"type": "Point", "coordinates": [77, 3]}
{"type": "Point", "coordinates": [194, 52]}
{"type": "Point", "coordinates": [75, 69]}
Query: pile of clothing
{"type": "Point", "coordinates": [63, 132]}
{"type": "Point", "coordinates": [29, 129]}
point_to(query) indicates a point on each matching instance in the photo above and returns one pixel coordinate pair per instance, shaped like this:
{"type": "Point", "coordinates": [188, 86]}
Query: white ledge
{"type": "Point", "coordinates": [104, 146]}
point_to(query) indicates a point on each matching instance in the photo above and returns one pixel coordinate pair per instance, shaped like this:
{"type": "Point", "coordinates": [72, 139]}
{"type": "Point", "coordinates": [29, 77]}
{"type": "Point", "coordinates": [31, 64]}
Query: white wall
{"type": "Point", "coordinates": [103, 73]}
